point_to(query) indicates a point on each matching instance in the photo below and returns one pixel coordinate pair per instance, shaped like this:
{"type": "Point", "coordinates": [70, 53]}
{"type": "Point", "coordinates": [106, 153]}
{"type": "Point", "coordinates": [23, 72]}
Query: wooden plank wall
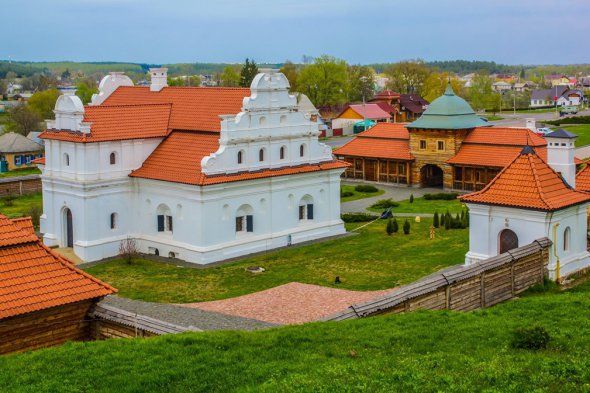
{"type": "Point", "coordinates": [45, 328]}
{"type": "Point", "coordinates": [20, 186]}
{"type": "Point", "coordinates": [464, 288]}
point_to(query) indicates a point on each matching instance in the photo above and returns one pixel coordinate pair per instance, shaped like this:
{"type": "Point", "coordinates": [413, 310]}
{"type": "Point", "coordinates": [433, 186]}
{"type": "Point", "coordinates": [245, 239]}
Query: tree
{"type": "Point", "coordinates": [395, 225]}
{"type": "Point", "coordinates": [66, 74]}
{"type": "Point", "coordinates": [407, 76]}
{"type": "Point", "coordinates": [43, 103]}
{"type": "Point", "coordinates": [436, 83]}
{"type": "Point", "coordinates": [39, 82]}
{"type": "Point", "coordinates": [361, 83]}
{"type": "Point", "coordinates": [406, 227]}
{"type": "Point", "coordinates": [85, 89]}
{"type": "Point", "coordinates": [22, 119]}
{"type": "Point", "coordinates": [248, 72]}
{"type": "Point", "coordinates": [230, 77]}
{"type": "Point", "coordinates": [325, 81]}
{"type": "Point", "coordinates": [291, 72]}
{"type": "Point", "coordinates": [389, 227]}
{"type": "Point", "coordinates": [481, 92]}
{"type": "Point", "coordinates": [435, 220]}
{"type": "Point", "coordinates": [411, 198]}
{"type": "Point", "coordinates": [128, 250]}
{"type": "Point", "coordinates": [3, 87]}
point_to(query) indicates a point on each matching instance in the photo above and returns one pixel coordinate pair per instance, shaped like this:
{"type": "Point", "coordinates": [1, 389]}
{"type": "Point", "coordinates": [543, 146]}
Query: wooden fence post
{"type": "Point", "coordinates": [482, 292]}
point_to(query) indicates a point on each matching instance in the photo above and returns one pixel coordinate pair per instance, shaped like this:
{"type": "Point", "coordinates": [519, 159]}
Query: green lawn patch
{"type": "Point", "coordinates": [425, 351]}
{"type": "Point", "coordinates": [21, 206]}
{"type": "Point", "coordinates": [582, 131]}
{"type": "Point", "coordinates": [21, 172]}
{"type": "Point", "coordinates": [370, 260]}
{"type": "Point", "coordinates": [421, 205]}
{"type": "Point", "coordinates": [354, 195]}
{"type": "Point", "coordinates": [493, 117]}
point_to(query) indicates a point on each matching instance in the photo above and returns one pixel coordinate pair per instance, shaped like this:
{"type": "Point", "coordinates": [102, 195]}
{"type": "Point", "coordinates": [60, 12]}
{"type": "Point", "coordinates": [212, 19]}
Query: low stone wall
{"type": "Point", "coordinates": [464, 288]}
{"type": "Point", "coordinates": [20, 185]}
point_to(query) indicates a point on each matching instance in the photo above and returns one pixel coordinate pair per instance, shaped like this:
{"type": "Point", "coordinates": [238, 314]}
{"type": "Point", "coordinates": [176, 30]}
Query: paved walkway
{"type": "Point", "coordinates": [291, 303]}
{"type": "Point", "coordinates": [68, 253]}
{"type": "Point", "coordinates": [397, 193]}
{"type": "Point", "coordinates": [186, 317]}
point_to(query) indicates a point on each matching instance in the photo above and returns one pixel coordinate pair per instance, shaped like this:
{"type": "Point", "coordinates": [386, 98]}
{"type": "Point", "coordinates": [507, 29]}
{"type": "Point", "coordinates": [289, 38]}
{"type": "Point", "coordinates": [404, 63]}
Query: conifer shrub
{"type": "Point", "coordinates": [406, 227]}
{"type": "Point", "coordinates": [395, 226]}
{"type": "Point", "coordinates": [435, 220]}
{"type": "Point", "coordinates": [411, 198]}
{"type": "Point", "coordinates": [389, 227]}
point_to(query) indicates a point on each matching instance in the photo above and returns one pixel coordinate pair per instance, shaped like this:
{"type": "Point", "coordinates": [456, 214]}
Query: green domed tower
{"type": "Point", "coordinates": [437, 136]}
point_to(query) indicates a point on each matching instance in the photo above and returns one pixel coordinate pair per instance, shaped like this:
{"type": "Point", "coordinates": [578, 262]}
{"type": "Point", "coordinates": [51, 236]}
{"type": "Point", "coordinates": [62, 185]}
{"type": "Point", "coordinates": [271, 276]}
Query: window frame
{"type": "Point", "coordinates": [421, 143]}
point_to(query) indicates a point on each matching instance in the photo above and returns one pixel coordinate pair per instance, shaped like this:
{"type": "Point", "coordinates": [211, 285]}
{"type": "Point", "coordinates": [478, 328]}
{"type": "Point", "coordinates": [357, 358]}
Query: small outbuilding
{"type": "Point", "coordinates": [18, 151]}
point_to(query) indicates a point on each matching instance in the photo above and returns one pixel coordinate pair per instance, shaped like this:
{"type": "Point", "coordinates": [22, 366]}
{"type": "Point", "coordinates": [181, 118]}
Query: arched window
{"type": "Point", "coordinates": [262, 121]}
{"type": "Point", "coordinates": [508, 241]}
{"type": "Point", "coordinates": [261, 155]}
{"type": "Point", "coordinates": [66, 159]}
{"type": "Point", "coordinates": [113, 158]}
{"type": "Point", "coordinates": [164, 216]}
{"type": "Point", "coordinates": [241, 157]}
{"type": "Point", "coordinates": [283, 119]}
{"type": "Point", "coordinates": [245, 219]}
{"type": "Point", "coordinates": [113, 220]}
{"type": "Point", "coordinates": [282, 152]}
{"type": "Point", "coordinates": [567, 239]}
{"type": "Point", "coordinates": [302, 150]}
{"type": "Point", "coordinates": [306, 208]}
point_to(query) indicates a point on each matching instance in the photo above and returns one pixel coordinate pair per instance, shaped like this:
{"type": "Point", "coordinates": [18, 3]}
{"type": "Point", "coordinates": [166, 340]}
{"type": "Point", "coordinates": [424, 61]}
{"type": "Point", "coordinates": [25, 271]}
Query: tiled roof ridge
{"type": "Point", "coordinates": [189, 87]}
{"type": "Point", "coordinates": [529, 157]}
{"type": "Point", "coordinates": [378, 137]}
{"type": "Point", "coordinates": [334, 160]}
{"type": "Point", "coordinates": [104, 106]}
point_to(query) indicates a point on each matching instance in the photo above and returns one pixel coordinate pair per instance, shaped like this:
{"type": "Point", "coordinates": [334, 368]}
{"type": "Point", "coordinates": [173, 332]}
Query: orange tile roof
{"type": "Point", "coordinates": [119, 123]}
{"type": "Point", "coordinates": [529, 183]}
{"type": "Point", "coordinates": [33, 277]}
{"type": "Point", "coordinates": [193, 108]}
{"type": "Point", "coordinates": [384, 140]}
{"type": "Point", "coordinates": [24, 224]}
{"type": "Point", "coordinates": [504, 136]}
{"type": "Point", "coordinates": [489, 155]}
{"type": "Point", "coordinates": [583, 179]}
{"type": "Point", "coordinates": [39, 161]}
{"type": "Point", "coordinates": [178, 159]}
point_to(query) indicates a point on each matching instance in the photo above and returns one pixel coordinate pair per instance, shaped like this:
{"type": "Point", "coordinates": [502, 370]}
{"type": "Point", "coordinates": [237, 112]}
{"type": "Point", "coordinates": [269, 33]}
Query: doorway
{"type": "Point", "coordinates": [371, 170]}
{"type": "Point", "coordinates": [68, 228]}
{"type": "Point", "coordinates": [508, 241]}
{"type": "Point", "coordinates": [431, 176]}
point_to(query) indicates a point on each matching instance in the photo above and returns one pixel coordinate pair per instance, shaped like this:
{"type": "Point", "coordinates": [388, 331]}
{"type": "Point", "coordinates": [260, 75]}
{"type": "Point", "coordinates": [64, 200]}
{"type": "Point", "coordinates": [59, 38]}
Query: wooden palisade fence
{"type": "Point", "coordinates": [462, 287]}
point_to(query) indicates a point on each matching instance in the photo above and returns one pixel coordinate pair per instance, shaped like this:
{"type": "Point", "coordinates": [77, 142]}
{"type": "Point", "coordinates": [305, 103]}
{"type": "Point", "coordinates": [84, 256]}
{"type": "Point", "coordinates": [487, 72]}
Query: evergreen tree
{"type": "Point", "coordinates": [447, 222]}
{"type": "Point", "coordinates": [442, 220]}
{"type": "Point", "coordinates": [249, 71]}
{"type": "Point", "coordinates": [435, 220]}
{"type": "Point", "coordinates": [406, 227]}
{"type": "Point", "coordinates": [389, 227]}
{"type": "Point", "coordinates": [395, 226]}
{"type": "Point", "coordinates": [411, 198]}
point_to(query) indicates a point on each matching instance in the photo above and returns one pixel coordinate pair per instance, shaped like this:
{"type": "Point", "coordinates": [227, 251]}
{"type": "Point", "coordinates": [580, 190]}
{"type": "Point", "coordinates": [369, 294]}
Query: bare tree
{"type": "Point", "coordinates": [128, 250]}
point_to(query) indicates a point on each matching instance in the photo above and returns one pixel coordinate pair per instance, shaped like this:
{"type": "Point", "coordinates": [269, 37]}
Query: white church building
{"type": "Point", "coordinates": [531, 199]}
{"type": "Point", "coordinates": [199, 174]}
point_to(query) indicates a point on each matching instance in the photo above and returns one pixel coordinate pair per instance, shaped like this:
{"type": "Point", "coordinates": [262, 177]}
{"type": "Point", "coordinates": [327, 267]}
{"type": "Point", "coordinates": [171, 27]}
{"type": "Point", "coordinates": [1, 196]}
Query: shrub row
{"type": "Point", "coordinates": [570, 120]}
{"type": "Point", "coordinates": [393, 227]}
{"type": "Point", "coordinates": [385, 204]}
{"type": "Point", "coordinates": [446, 196]}
{"type": "Point", "coordinates": [358, 217]}
{"type": "Point", "coordinates": [344, 194]}
{"type": "Point", "coordinates": [365, 188]}
{"type": "Point", "coordinates": [447, 221]}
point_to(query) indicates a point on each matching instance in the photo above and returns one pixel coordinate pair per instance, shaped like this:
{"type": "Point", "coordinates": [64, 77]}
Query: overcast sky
{"type": "Point", "coordinates": [369, 31]}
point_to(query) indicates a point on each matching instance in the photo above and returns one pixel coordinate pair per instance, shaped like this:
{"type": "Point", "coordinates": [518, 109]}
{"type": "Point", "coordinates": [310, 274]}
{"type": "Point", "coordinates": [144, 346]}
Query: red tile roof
{"type": "Point", "coordinates": [489, 155]}
{"type": "Point", "coordinates": [193, 108]}
{"type": "Point", "coordinates": [119, 123]}
{"type": "Point", "coordinates": [178, 159]}
{"type": "Point", "coordinates": [529, 183]}
{"type": "Point", "coordinates": [39, 161]}
{"type": "Point", "coordinates": [386, 106]}
{"type": "Point", "coordinates": [583, 179]}
{"type": "Point", "coordinates": [504, 136]}
{"type": "Point", "coordinates": [33, 277]}
{"type": "Point", "coordinates": [386, 95]}
{"type": "Point", "coordinates": [384, 140]}
{"type": "Point", "coordinates": [369, 111]}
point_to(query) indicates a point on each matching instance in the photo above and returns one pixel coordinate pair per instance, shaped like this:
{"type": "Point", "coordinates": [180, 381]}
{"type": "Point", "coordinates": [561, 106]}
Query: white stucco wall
{"type": "Point", "coordinates": [487, 222]}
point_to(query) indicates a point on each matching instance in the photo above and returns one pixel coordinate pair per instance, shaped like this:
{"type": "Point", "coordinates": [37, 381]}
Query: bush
{"type": "Point", "coordinates": [389, 227]}
{"type": "Point", "coordinates": [570, 120]}
{"type": "Point", "coordinates": [435, 220]}
{"type": "Point", "coordinates": [344, 194]}
{"type": "Point", "coordinates": [406, 227]}
{"type": "Point", "coordinates": [384, 204]}
{"type": "Point", "coordinates": [395, 225]}
{"type": "Point", "coordinates": [411, 198]}
{"type": "Point", "coordinates": [35, 214]}
{"type": "Point", "coordinates": [446, 196]}
{"type": "Point", "coordinates": [534, 338]}
{"type": "Point", "coordinates": [8, 200]}
{"type": "Point", "coordinates": [358, 217]}
{"type": "Point", "coordinates": [366, 188]}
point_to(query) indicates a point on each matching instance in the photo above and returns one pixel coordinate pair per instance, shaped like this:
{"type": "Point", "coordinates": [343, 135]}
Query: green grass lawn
{"type": "Point", "coordinates": [425, 351]}
{"type": "Point", "coordinates": [493, 117]}
{"type": "Point", "coordinates": [582, 131]}
{"type": "Point", "coordinates": [22, 205]}
{"type": "Point", "coordinates": [21, 172]}
{"type": "Point", "coordinates": [370, 260]}
{"type": "Point", "coordinates": [357, 195]}
{"type": "Point", "coordinates": [421, 205]}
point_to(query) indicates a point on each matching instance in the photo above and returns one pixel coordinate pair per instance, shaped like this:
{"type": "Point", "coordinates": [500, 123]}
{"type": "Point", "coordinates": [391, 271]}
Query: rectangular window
{"type": "Point", "coordinates": [301, 212]}
{"type": "Point", "coordinates": [459, 173]}
{"type": "Point", "coordinates": [169, 223]}
{"type": "Point", "coordinates": [422, 144]}
{"type": "Point", "coordinates": [29, 158]}
{"type": "Point", "coordinates": [440, 145]}
{"type": "Point", "coordinates": [160, 223]}
{"type": "Point", "coordinates": [401, 169]}
{"type": "Point", "coordinates": [358, 165]}
{"type": "Point", "coordinates": [310, 211]}
{"type": "Point", "coordinates": [249, 223]}
{"type": "Point", "coordinates": [17, 160]}
{"type": "Point", "coordinates": [239, 224]}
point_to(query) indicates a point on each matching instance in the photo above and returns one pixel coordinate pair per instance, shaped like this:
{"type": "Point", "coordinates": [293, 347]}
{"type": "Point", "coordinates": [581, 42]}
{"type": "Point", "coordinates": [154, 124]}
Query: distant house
{"type": "Point", "coordinates": [501, 86]}
{"type": "Point", "coordinates": [571, 97]}
{"type": "Point", "coordinates": [508, 78]}
{"type": "Point", "coordinates": [521, 87]}
{"type": "Point", "coordinates": [343, 124]}
{"type": "Point", "coordinates": [546, 97]}
{"type": "Point", "coordinates": [44, 299]}
{"type": "Point", "coordinates": [558, 80]}
{"type": "Point", "coordinates": [411, 107]}
{"type": "Point", "coordinates": [17, 151]}
{"type": "Point", "coordinates": [34, 136]}
{"type": "Point", "coordinates": [467, 79]}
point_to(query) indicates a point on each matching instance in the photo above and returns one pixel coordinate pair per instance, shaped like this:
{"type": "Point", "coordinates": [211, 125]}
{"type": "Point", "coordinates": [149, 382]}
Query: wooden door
{"type": "Point", "coordinates": [69, 229]}
{"type": "Point", "coordinates": [371, 170]}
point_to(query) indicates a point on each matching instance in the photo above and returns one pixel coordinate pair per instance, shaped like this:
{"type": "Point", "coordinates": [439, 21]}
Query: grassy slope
{"type": "Point", "coordinates": [368, 261]}
{"type": "Point", "coordinates": [582, 131]}
{"type": "Point", "coordinates": [421, 205]}
{"type": "Point", "coordinates": [357, 195]}
{"type": "Point", "coordinates": [21, 172]}
{"type": "Point", "coordinates": [422, 351]}
{"type": "Point", "coordinates": [22, 205]}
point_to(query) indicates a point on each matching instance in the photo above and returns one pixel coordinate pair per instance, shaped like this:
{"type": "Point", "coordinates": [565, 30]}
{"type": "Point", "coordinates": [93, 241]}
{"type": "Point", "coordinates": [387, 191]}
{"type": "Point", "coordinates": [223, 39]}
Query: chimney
{"type": "Point", "coordinates": [560, 154]}
{"type": "Point", "coordinates": [531, 124]}
{"type": "Point", "coordinates": [159, 78]}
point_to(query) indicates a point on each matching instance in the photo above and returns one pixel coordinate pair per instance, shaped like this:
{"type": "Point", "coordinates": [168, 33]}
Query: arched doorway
{"type": "Point", "coordinates": [508, 241]}
{"type": "Point", "coordinates": [431, 176]}
{"type": "Point", "coordinates": [68, 228]}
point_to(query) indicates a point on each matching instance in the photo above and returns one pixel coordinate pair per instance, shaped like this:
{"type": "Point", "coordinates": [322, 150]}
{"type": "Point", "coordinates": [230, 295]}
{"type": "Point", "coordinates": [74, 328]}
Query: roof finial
{"type": "Point", "coordinates": [449, 90]}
